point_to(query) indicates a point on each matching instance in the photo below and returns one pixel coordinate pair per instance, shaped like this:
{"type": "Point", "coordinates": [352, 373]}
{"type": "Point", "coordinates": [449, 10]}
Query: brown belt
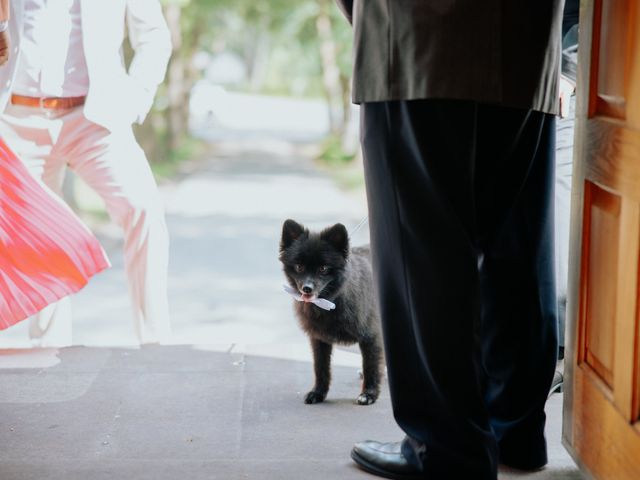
{"type": "Point", "coordinates": [53, 103]}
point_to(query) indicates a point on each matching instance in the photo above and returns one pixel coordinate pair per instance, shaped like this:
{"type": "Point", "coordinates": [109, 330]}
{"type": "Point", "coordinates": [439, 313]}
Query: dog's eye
{"type": "Point", "coordinates": [299, 268]}
{"type": "Point", "coordinates": [324, 269]}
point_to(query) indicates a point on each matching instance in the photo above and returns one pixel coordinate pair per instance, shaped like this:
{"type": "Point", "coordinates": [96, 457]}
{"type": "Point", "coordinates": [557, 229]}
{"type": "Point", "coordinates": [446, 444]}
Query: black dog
{"type": "Point", "coordinates": [321, 266]}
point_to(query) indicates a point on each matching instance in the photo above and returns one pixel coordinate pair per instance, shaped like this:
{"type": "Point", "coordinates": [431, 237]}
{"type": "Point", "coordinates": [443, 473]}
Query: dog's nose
{"type": "Point", "coordinates": [307, 289]}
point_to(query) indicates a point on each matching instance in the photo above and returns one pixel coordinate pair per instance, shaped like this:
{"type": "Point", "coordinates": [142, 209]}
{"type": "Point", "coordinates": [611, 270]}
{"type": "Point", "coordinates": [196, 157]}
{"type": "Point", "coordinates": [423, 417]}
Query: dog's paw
{"type": "Point", "coordinates": [314, 397]}
{"type": "Point", "coordinates": [366, 399]}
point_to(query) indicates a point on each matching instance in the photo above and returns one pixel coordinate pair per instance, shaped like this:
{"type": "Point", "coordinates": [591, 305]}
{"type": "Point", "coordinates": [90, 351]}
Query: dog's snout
{"type": "Point", "coordinates": [307, 289]}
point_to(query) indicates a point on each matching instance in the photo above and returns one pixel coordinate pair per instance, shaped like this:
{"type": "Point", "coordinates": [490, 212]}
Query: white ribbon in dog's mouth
{"type": "Point", "coordinates": [318, 302]}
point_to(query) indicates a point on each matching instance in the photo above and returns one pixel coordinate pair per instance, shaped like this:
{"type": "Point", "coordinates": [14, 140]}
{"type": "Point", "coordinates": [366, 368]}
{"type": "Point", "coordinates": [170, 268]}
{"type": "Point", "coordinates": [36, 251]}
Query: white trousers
{"type": "Point", "coordinates": [114, 165]}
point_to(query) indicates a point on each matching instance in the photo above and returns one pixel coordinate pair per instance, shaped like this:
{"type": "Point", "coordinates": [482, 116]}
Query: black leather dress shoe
{"type": "Point", "coordinates": [384, 460]}
{"type": "Point", "coordinates": [557, 386]}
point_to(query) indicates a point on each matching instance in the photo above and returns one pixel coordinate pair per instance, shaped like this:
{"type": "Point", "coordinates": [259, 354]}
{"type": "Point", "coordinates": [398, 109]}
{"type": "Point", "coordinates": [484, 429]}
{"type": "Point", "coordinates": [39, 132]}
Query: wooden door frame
{"type": "Point", "coordinates": [575, 235]}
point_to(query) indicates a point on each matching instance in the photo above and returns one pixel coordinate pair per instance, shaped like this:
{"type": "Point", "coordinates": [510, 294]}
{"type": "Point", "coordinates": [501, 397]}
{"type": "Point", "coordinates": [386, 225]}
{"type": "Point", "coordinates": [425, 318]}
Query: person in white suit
{"type": "Point", "coordinates": [69, 101]}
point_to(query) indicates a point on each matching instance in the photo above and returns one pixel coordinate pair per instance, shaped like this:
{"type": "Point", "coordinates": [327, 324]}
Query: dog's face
{"type": "Point", "coordinates": [314, 263]}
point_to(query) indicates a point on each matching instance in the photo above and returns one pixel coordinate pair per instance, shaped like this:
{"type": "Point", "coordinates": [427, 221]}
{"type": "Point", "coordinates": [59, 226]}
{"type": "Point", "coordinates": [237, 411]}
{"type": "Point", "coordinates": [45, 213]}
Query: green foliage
{"type": "Point", "coordinates": [278, 42]}
{"type": "Point", "coordinates": [287, 27]}
{"type": "Point", "coordinates": [344, 167]}
{"type": "Point", "coordinates": [188, 149]}
{"type": "Point", "coordinates": [332, 153]}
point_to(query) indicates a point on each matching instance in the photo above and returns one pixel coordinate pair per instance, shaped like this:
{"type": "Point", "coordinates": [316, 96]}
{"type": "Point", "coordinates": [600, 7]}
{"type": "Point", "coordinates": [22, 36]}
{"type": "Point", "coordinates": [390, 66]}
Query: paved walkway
{"type": "Point", "coordinates": [198, 412]}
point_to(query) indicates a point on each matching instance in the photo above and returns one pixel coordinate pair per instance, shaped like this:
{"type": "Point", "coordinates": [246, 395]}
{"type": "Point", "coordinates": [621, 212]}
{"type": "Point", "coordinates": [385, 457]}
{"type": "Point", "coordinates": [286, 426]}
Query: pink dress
{"type": "Point", "coordinates": [46, 253]}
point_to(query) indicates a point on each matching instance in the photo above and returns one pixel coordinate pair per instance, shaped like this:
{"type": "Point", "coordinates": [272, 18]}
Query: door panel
{"type": "Point", "coordinates": [602, 401]}
{"type": "Point", "coordinates": [602, 222]}
{"type": "Point", "coordinates": [613, 51]}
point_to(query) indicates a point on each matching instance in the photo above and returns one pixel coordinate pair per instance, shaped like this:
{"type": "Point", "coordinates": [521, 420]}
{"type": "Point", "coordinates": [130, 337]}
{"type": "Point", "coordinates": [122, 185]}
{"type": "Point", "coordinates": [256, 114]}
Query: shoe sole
{"type": "Point", "coordinates": [558, 388]}
{"type": "Point", "coordinates": [371, 468]}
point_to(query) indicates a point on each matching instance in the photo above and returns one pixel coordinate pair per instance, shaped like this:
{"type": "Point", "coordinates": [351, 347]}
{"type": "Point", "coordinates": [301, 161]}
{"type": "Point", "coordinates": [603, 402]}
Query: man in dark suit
{"type": "Point", "coordinates": [458, 99]}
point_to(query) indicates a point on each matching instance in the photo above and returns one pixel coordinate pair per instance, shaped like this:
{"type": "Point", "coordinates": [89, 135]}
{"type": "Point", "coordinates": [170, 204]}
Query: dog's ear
{"type": "Point", "coordinates": [291, 231]}
{"type": "Point", "coordinates": [338, 237]}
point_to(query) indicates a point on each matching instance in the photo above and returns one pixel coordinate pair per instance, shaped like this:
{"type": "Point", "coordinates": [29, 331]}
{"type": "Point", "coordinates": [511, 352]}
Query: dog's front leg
{"type": "Point", "coordinates": [371, 370]}
{"type": "Point", "coordinates": [322, 369]}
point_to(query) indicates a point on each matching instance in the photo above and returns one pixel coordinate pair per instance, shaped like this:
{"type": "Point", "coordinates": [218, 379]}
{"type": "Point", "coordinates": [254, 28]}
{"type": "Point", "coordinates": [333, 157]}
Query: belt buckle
{"type": "Point", "coordinates": [41, 101]}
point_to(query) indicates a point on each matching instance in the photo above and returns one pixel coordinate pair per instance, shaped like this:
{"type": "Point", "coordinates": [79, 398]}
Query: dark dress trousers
{"type": "Point", "coordinates": [458, 135]}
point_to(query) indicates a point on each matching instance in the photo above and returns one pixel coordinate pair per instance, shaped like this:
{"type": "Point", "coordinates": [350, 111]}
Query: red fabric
{"type": "Point", "coordinates": [46, 253]}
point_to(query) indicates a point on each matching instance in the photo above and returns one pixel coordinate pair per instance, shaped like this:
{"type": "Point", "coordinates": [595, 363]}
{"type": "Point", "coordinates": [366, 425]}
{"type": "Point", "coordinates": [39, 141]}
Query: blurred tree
{"type": "Point", "coordinates": [290, 47]}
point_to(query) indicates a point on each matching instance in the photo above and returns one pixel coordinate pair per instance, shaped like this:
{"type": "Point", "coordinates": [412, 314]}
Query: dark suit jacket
{"type": "Point", "coordinates": [496, 51]}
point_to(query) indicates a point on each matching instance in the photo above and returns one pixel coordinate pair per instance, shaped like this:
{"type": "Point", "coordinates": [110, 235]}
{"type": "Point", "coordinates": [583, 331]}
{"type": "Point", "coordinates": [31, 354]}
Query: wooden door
{"type": "Point", "coordinates": [602, 400]}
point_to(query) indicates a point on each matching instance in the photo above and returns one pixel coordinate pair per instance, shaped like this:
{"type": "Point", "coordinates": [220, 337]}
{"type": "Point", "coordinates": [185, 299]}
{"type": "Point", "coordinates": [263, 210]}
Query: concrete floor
{"type": "Point", "coordinates": [199, 412]}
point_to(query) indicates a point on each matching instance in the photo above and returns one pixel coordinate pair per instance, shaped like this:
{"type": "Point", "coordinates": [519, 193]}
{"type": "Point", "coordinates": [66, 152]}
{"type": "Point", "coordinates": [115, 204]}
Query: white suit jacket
{"type": "Point", "coordinates": [116, 98]}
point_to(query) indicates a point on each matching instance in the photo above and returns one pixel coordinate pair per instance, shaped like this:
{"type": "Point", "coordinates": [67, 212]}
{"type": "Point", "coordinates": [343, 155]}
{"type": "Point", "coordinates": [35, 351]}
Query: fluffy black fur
{"type": "Point", "coordinates": [323, 265]}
